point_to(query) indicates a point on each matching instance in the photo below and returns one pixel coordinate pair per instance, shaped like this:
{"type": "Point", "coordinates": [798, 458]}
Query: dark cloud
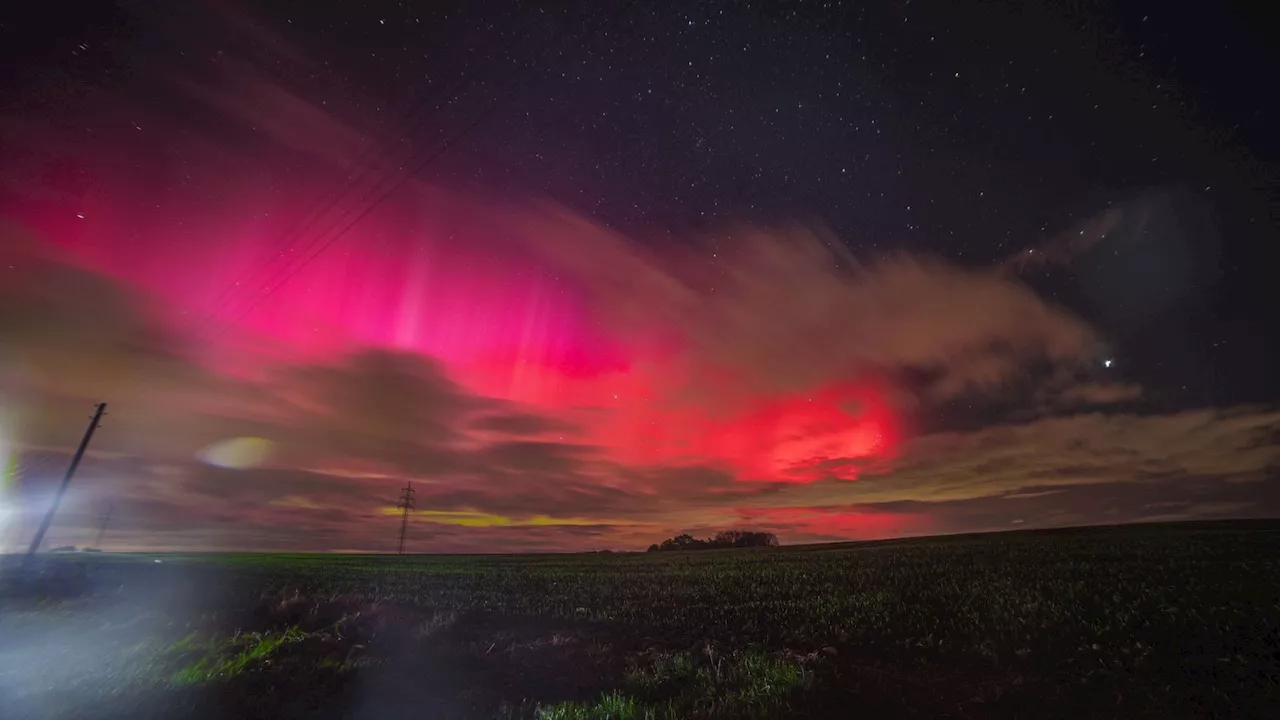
{"type": "Point", "coordinates": [60, 323]}
{"type": "Point", "coordinates": [536, 457]}
{"type": "Point", "coordinates": [1178, 498]}
{"type": "Point", "coordinates": [1090, 393]}
{"type": "Point", "coordinates": [514, 423]}
{"type": "Point", "coordinates": [70, 338]}
{"type": "Point", "coordinates": [381, 405]}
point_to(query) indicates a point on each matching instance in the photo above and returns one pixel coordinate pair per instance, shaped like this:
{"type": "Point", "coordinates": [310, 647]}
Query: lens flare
{"type": "Point", "coordinates": [240, 453]}
{"type": "Point", "coordinates": [8, 489]}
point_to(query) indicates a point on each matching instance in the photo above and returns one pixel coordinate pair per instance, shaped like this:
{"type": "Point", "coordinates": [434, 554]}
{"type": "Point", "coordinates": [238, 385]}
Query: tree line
{"type": "Point", "coordinates": [725, 539]}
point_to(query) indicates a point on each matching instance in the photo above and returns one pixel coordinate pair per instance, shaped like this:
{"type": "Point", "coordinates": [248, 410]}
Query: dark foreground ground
{"type": "Point", "coordinates": [1141, 621]}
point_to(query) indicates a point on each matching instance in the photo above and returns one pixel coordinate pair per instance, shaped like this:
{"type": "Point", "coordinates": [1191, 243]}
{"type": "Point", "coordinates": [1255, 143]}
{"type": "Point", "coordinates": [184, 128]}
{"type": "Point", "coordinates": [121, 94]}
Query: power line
{"type": "Point", "coordinates": [278, 281]}
{"type": "Point", "coordinates": [386, 187]}
{"type": "Point", "coordinates": [354, 176]}
{"type": "Point", "coordinates": [410, 127]}
{"type": "Point", "coordinates": [320, 244]}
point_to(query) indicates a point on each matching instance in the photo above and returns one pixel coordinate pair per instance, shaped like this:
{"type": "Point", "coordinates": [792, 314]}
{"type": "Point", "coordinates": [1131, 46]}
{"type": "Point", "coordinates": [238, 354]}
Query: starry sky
{"type": "Point", "coordinates": [595, 274]}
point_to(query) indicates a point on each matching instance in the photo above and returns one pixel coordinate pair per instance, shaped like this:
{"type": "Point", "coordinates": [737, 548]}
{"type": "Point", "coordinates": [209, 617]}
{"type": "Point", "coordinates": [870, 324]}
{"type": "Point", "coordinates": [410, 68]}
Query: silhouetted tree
{"type": "Point", "coordinates": [725, 539]}
{"type": "Point", "coordinates": [745, 538]}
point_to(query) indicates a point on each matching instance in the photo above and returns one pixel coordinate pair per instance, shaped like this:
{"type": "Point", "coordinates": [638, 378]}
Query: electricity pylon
{"type": "Point", "coordinates": [406, 504]}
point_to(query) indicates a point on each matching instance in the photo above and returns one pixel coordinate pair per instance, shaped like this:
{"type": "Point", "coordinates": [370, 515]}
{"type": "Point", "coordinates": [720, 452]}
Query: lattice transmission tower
{"type": "Point", "coordinates": [406, 504]}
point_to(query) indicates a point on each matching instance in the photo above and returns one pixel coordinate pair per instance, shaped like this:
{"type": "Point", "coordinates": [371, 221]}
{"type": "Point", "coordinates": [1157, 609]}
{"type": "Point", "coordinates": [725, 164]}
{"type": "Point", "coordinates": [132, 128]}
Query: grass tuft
{"type": "Point", "coordinates": [233, 656]}
{"type": "Point", "coordinates": [683, 685]}
{"type": "Point", "coordinates": [612, 706]}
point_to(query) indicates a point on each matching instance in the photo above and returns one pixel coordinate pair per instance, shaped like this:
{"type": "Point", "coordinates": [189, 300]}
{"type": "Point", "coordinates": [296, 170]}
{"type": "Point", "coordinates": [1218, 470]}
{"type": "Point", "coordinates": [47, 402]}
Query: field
{"type": "Point", "coordinates": [1139, 621]}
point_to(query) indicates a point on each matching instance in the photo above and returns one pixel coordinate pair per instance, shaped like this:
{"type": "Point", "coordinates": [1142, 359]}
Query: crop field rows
{"type": "Point", "coordinates": [1140, 621]}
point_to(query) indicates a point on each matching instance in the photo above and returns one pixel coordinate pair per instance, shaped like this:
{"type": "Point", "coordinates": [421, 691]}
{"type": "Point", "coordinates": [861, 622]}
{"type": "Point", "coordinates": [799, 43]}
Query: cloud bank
{"type": "Point", "coordinates": [817, 442]}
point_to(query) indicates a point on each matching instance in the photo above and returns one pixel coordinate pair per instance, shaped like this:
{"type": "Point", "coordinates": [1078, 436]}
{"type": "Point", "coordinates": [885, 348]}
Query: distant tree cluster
{"type": "Point", "coordinates": [726, 539]}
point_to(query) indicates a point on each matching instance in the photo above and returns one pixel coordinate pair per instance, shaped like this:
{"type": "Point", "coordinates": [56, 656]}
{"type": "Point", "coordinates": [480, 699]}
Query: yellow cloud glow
{"type": "Point", "coordinates": [297, 501]}
{"type": "Point", "coordinates": [474, 518]}
{"type": "Point", "coordinates": [240, 453]}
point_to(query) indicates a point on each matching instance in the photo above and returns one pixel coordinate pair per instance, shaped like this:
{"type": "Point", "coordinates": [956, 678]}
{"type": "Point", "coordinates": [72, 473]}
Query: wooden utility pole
{"type": "Point", "coordinates": [406, 504]}
{"type": "Point", "coordinates": [66, 479]}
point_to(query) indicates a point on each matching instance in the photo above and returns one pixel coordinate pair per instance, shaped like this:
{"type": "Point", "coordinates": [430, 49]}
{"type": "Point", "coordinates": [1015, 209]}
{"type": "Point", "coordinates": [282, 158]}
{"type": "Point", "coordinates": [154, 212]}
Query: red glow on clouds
{"type": "Point", "coordinates": [503, 325]}
{"type": "Point", "coordinates": [831, 523]}
{"type": "Point", "coordinates": [794, 437]}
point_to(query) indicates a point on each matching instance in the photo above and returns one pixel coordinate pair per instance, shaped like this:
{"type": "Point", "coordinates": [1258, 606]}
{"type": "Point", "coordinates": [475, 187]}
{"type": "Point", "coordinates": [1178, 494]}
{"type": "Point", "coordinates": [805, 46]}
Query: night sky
{"type": "Point", "coordinates": [595, 275]}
